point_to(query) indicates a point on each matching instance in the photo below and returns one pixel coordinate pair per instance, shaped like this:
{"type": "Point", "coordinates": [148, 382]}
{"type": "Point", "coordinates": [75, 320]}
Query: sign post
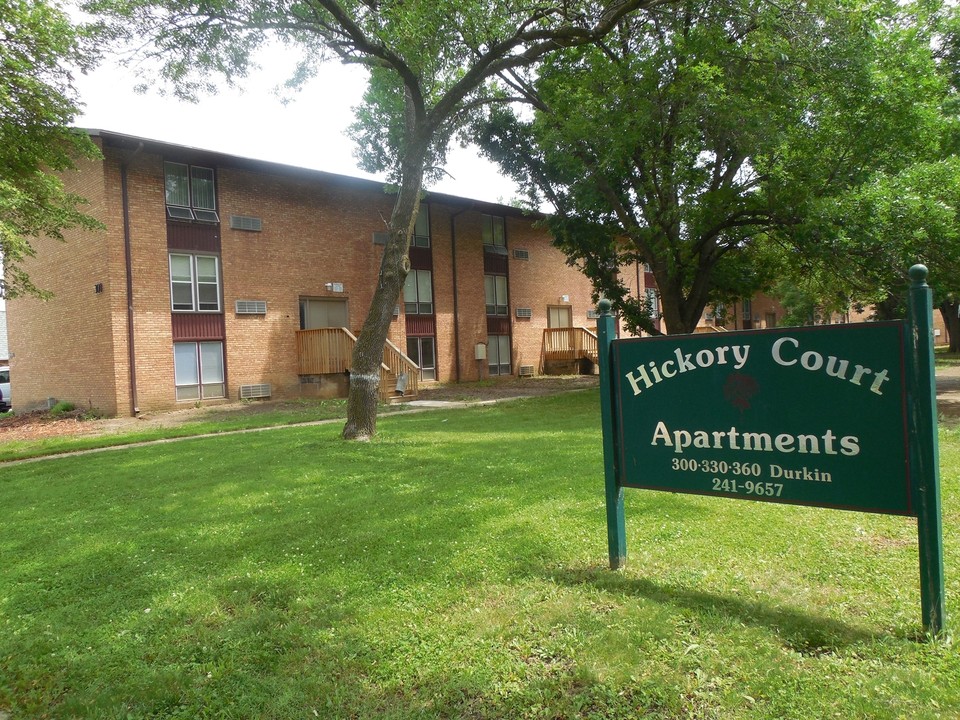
{"type": "Point", "coordinates": [616, 529]}
{"type": "Point", "coordinates": [925, 457]}
{"type": "Point", "coordinates": [837, 416]}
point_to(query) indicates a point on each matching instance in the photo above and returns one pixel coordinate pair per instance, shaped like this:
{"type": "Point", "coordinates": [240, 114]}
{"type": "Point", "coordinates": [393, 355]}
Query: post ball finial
{"type": "Point", "coordinates": [604, 306]}
{"type": "Point", "coordinates": [918, 273]}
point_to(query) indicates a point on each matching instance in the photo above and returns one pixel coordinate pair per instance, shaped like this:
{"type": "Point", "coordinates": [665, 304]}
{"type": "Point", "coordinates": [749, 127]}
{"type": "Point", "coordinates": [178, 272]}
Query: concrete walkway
{"type": "Point", "coordinates": [414, 406]}
{"type": "Point", "coordinates": [948, 406]}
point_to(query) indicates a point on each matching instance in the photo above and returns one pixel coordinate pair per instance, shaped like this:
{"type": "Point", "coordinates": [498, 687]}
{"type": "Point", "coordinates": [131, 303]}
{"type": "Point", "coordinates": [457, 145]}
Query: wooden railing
{"type": "Point", "coordinates": [710, 329]}
{"type": "Point", "coordinates": [396, 364]}
{"type": "Point", "coordinates": [324, 351]}
{"type": "Point", "coordinates": [569, 343]}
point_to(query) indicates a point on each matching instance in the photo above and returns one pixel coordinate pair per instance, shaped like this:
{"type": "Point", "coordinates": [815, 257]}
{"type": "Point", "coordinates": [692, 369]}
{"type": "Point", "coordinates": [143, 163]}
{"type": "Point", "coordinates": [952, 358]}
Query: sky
{"type": "Point", "coordinates": [309, 132]}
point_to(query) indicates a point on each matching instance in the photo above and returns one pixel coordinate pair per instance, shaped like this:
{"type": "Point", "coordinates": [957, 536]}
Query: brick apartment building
{"type": "Point", "coordinates": [219, 277]}
{"type": "Point", "coordinates": [762, 312]}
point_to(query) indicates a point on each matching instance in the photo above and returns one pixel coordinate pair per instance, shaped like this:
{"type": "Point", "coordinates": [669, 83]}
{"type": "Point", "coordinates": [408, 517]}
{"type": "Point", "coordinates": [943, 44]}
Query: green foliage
{"type": "Point", "coordinates": [290, 575]}
{"type": "Point", "coordinates": [38, 52]}
{"type": "Point", "coordinates": [62, 408]}
{"type": "Point", "coordinates": [431, 63]}
{"type": "Point", "coordinates": [701, 133]}
{"type": "Point", "coordinates": [872, 235]}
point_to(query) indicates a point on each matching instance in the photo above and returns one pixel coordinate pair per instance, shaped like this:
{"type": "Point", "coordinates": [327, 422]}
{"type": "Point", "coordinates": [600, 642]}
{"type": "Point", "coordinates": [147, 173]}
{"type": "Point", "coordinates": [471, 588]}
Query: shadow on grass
{"type": "Point", "coordinates": [803, 632]}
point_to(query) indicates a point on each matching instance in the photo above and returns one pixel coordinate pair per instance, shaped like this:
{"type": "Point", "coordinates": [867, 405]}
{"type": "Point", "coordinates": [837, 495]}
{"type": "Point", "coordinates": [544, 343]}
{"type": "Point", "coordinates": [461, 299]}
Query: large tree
{"type": "Point", "coordinates": [870, 236]}
{"type": "Point", "coordinates": [874, 233]}
{"type": "Point", "coordinates": [432, 63]}
{"type": "Point", "coordinates": [698, 133]}
{"type": "Point", "coordinates": [38, 47]}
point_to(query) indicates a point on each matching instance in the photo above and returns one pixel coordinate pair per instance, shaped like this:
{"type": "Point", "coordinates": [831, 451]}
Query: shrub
{"type": "Point", "coordinates": [61, 408]}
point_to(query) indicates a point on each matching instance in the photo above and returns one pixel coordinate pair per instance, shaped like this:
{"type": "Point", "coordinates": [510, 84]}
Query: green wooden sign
{"type": "Point", "coordinates": [840, 416]}
{"type": "Point", "coordinates": [813, 416]}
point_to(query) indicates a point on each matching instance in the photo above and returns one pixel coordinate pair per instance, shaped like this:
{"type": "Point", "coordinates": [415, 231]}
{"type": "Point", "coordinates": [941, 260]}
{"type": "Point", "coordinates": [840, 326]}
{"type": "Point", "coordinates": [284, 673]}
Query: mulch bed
{"type": "Point", "coordinates": [41, 424]}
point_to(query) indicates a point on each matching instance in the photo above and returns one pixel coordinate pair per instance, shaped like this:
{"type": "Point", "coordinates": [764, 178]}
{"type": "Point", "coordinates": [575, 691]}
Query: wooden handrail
{"type": "Point", "coordinates": [710, 328]}
{"type": "Point", "coordinates": [569, 343]}
{"type": "Point", "coordinates": [398, 363]}
{"type": "Point", "coordinates": [323, 351]}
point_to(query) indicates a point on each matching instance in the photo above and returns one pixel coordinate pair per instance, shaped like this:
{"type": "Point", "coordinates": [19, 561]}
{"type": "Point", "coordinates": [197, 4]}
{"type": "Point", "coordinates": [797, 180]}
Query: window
{"type": "Point", "coordinates": [494, 235]}
{"type": "Point", "coordinates": [422, 351]}
{"type": "Point", "coordinates": [190, 192]}
{"type": "Point", "coordinates": [194, 283]}
{"type": "Point", "coordinates": [498, 354]}
{"type": "Point", "coordinates": [418, 293]}
{"type": "Point", "coordinates": [421, 231]}
{"type": "Point", "coordinates": [559, 316]}
{"type": "Point", "coordinates": [198, 370]}
{"type": "Point", "coordinates": [495, 287]}
{"type": "Point", "coordinates": [653, 302]}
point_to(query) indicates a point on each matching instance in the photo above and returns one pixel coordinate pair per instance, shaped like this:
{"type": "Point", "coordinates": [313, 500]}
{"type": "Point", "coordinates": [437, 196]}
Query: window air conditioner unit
{"type": "Point", "coordinates": [251, 307]}
{"type": "Point", "coordinates": [524, 312]}
{"type": "Point", "coordinates": [254, 391]}
{"type": "Point", "coordinates": [244, 222]}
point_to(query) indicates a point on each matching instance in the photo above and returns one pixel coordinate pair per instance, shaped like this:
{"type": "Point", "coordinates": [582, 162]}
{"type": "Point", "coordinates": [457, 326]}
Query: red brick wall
{"type": "Point", "coordinates": [315, 231]}
{"type": "Point", "coordinates": [537, 283]}
{"type": "Point", "coordinates": [312, 235]}
{"type": "Point", "coordinates": [63, 348]}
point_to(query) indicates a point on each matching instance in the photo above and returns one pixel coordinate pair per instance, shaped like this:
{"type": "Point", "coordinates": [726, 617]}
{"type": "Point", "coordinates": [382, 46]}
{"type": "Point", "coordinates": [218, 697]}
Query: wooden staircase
{"type": "Point", "coordinates": [328, 351]}
{"type": "Point", "coordinates": [399, 376]}
{"type": "Point", "coordinates": [567, 346]}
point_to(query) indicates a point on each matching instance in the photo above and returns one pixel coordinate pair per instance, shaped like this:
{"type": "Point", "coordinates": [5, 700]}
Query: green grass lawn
{"type": "Point", "coordinates": [214, 420]}
{"type": "Point", "coordinates": [943, 358]}
{"type": "Point", "coordinates": [453, 567]}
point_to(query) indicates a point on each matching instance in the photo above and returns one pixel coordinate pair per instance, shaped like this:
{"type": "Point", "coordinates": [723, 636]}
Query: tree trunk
{"type": "Point", "coordinates": [368, 352]}
{"type": "Point", "coordinates": [949, 310]}
{"type": "Point", "coordinates": [681, 312]}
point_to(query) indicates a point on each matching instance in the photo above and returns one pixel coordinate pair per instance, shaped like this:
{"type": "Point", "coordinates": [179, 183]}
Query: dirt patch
{"type": "Point", "coordinates": [40, 424]}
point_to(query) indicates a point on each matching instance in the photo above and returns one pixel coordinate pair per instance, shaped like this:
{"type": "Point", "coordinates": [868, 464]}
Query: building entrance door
{"type": "Point", "coordinates": [559, 316]}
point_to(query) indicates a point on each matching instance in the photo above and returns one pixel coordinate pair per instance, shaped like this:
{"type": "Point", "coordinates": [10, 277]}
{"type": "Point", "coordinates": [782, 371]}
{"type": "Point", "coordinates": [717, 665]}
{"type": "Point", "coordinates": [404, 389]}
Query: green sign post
{"type": "Point", "coordinates": [839, 416]}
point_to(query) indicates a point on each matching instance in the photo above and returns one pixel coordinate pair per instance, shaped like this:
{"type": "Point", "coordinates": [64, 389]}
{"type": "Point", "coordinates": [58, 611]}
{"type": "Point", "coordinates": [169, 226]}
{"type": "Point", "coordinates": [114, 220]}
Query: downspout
{"type": "Point", "coordinates": [456, 313]}
{"type": "Point", "coordinates": [636, 264]}
{"type": "Point", "coordinates": [128, 266]}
